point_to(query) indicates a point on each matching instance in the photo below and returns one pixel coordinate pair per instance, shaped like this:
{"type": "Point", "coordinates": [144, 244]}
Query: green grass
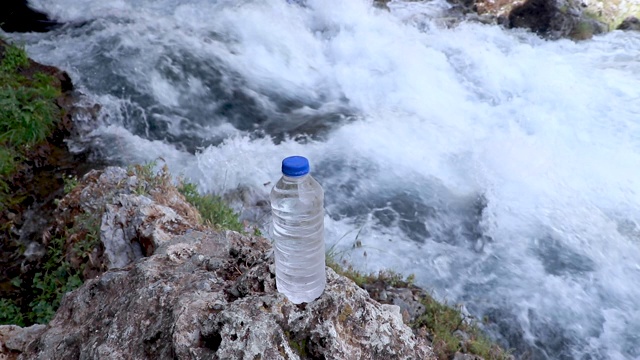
{"type": "Point", "coordinates": [55, 276]}
{"type": "Point", "coordinates": [442, 322]}
{"type": "Point", "coordinates": [70, 182]}
{"type": "Point", "coordinates": [14, 58]}
{"type": "Point", "coordinates": [28, 114]}
{"type": "Point", "coordinates": [214, 211]}
{"type": "Point", "coordinates": [148, 178]}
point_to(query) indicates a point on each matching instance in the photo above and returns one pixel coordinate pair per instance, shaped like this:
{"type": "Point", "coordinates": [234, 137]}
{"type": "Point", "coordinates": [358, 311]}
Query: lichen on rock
{"type": "Point", "coordinates": [212, 295]}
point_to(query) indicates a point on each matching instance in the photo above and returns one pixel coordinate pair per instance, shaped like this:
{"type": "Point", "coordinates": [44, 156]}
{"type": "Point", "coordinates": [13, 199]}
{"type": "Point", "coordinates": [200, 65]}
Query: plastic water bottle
{"type": "Point", "coordinates": [297, 205]}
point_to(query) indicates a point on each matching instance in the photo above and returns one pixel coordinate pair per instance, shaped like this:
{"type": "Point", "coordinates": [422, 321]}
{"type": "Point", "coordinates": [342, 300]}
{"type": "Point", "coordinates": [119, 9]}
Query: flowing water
{"type": "Point", "coordinates": [502, 169]}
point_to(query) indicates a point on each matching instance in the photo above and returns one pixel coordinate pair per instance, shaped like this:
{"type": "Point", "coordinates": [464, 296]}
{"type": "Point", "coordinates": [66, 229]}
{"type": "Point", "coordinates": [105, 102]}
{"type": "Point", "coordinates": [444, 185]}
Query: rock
{"type": "Point", "coordinates": [611, 12]}
{"type": "Point", "coordinates": [554, 19]}
{"type": "Point", "coordinates": [551, 19]}
{"type": "Point", "coordinates": [131, 214]}
{"type": "Point", "coordinates": [13, 339]}
{"type": "Point", "coordinates": [630, 23]}
{"type": "Point", "coordinates": [17, 16]}
{"type": "Point", "coordinates": [212, 295]}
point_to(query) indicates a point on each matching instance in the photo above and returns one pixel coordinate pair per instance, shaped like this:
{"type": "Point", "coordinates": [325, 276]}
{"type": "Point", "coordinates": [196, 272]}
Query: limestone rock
{"type": "Point", "coordinates": [212, 295]}
{"type": "Point", "coordinates": [129, 216]}
{"type": "Point", "coordinates": [630, 23]}
{"type": "Point", "coordinates": [554, 19]}
{"type": "Point", "coordinates": [549, 18]}
{"type": "Point", "coordinates": [13, 339]}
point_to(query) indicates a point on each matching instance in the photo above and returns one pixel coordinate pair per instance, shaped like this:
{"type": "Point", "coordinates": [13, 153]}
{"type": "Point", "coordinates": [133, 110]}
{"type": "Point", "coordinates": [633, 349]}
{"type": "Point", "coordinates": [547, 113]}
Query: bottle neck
{"type": "Point", "coordinates": [295, 179]}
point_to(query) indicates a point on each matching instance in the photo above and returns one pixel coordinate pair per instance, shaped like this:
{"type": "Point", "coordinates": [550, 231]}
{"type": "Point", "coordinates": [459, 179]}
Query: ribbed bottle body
{"type": "Point", "coordinates": [297, 205]}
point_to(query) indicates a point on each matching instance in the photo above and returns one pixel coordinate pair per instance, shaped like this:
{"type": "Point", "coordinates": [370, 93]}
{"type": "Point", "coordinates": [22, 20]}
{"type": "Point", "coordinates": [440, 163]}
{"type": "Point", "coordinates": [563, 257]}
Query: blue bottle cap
{"type": "Point", "coordinates": [295, 166]}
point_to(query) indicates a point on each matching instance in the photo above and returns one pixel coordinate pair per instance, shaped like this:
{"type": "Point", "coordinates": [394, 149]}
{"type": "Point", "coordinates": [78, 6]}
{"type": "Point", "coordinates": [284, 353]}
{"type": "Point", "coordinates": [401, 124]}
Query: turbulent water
{"type": "Point", "coordinates": [502, 169]}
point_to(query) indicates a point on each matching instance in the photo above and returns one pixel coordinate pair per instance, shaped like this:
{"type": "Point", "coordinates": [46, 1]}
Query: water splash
{"type": "Point", "coordinates": [499, 168]}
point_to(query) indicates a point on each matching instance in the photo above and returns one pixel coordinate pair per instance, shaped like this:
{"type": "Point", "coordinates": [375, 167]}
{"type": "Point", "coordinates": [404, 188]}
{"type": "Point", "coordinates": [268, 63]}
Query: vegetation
{"type": "Point", "coordinates": [214, 211]}
{"type": "Point", "coordinates": [70, 182]}
{"type": "Point", "coordinates": [613, 12]}
{"type": "Point", "coordinates": [300, 347]}
{"type": "Point", "coordinates": [10, 313]}
{"type": "Point", "coordinates": [54, 278]}
{"type": "Point", "coordinates": [28, 114]}
{"type": "Point", "coordinates": [49, 286]}
{"type": "Point", "coordinates": [443, 324]}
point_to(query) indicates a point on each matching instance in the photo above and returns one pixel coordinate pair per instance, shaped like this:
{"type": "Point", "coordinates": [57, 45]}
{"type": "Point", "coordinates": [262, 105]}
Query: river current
{"type": "Point", "coordinates": [502, 169]}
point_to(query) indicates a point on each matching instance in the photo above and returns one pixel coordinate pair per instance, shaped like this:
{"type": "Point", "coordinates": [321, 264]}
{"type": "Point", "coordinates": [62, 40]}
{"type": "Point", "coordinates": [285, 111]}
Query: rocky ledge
{"type": "Point", "coordinates": [212, 295]}
{"type": "Point", "coordinates": [159, 284]}
{"type": "Point", "coordinates": [181, 290]}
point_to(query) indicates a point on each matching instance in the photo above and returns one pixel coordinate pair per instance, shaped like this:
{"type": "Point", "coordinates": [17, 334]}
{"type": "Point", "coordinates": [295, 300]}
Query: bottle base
{"type": "Point", "coordinates": [303, 296]}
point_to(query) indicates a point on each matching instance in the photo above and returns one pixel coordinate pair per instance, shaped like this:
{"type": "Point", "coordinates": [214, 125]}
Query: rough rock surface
{"type": "Point", "coordinates": [611, 12]}
{"type": "Point", "coordinates": [14, 339]}
{"type": "Point", "coordinates": [132, 215]}
{"type": "Point", "coordinates": [630, 23]}
{"type": "Point", "coordinates": [550, 18]}
{"type": "Point", "coordinates": [212, 295]}
{"type": "Point", "coordinates": [554, 19]}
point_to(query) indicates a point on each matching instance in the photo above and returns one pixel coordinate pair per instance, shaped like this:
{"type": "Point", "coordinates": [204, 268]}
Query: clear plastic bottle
{"type": "Point", "coordinates": [297, 205]}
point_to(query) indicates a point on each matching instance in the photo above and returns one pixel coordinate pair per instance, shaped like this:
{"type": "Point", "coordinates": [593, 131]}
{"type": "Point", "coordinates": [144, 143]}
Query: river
{"type": "Point", "coordinates": [502, 169]}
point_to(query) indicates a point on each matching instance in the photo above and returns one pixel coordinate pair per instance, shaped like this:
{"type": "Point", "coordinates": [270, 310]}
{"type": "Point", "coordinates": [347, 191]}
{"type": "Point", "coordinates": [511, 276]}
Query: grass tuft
{"type": "Point", "coordinates": [214, 211]}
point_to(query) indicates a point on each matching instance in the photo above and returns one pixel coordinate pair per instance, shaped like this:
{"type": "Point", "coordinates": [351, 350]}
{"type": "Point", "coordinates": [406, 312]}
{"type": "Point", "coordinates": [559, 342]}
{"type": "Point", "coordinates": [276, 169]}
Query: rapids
{"type": "Point", "coordinates": [500, 168]}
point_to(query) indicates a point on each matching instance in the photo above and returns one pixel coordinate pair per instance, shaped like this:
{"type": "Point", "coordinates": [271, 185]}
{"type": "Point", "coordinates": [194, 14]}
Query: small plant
{"type": "Point", "coordinates": [49, 286]}
{"type": "Point", "coordinates": [10, 313]}
{"type": "Point", "coordinates": [300, 347]}
{"type": "Point", "coordinates": [442, 322]}
{"type": "Point", "coordinates": [70, 182]}
{"type": "Point", "coordinates": [361, 279]}
{"type": "Point", "coordinates": [213, 209]}
{"type": "Point", "coordinates": [148, 179]}
{"type": "Point", "coordinates": [85, 235]}
{"type": "Point", "coordinates": [257, 232]}
{"type": "Point", "coordinates": [14, 58]}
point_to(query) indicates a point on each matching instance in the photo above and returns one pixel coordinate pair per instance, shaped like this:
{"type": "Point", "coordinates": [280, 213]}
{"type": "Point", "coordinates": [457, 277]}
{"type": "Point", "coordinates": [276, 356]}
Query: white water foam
{"type": "Point", "coordinates": [500, 168]}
